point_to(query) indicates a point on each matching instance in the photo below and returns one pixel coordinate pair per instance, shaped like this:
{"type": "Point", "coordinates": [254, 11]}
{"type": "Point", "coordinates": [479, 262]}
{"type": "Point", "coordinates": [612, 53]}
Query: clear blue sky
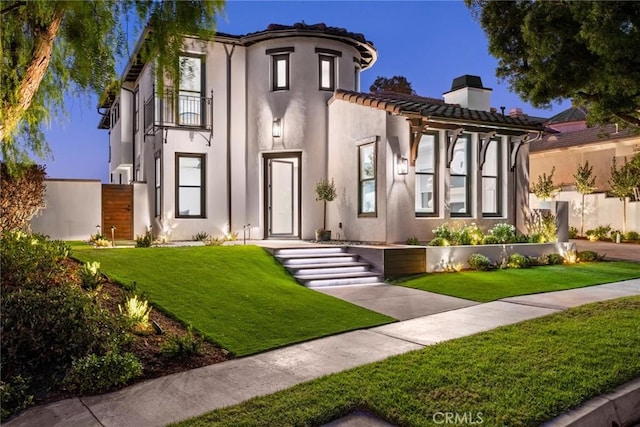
{"type": "Point", "coordinates": [429, 42]}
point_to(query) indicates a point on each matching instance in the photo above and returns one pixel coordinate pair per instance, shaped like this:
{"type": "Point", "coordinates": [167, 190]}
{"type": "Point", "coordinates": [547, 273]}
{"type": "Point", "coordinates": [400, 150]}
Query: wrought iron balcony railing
{"type": "Point", "coordinates": [173, 109]}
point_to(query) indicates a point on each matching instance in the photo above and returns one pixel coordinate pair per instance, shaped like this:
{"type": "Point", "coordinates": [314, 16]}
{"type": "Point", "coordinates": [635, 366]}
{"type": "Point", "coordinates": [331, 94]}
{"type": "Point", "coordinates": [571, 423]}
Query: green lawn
{"type": "Point", "coordinates": [517, 375]}
{"type": "Point", "coordinates": [239, 297]}
{"type": "Point", "coordinates": [485, 286]}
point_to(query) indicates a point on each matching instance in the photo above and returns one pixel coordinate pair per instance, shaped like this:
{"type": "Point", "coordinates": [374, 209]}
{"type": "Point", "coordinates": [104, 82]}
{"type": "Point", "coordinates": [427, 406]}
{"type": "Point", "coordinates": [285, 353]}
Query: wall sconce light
{"type": "Point", "coordinates": [276, 129]}
{"type": "Point", "coordinates": [402, 165]}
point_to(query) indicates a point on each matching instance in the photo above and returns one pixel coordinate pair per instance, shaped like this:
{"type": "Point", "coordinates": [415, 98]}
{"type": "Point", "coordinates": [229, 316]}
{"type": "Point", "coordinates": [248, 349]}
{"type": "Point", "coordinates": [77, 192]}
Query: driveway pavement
{"type": "Point", "coordinates": [613, 251]}
{"type": "Point", "coordinates": [396, 301]}
{"type": "Point", "coordinates": [182, 395]}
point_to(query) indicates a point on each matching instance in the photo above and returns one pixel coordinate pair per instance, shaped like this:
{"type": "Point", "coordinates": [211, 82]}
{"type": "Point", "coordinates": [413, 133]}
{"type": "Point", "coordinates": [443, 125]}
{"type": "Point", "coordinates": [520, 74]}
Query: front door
{"type": "Point", "coordinates": [282, 195]}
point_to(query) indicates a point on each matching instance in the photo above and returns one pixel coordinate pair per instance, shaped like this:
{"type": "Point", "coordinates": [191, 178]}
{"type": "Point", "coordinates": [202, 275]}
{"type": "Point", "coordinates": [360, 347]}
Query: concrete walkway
{"type": "Point", "coordinates": [613, 251]}
{"type": "Point", "coordinates": [175, 397]}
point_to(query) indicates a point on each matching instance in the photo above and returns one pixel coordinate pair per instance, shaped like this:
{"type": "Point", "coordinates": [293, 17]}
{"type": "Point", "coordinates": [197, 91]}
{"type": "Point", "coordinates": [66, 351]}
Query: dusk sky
{"type": "Point", "coordinates": [429, 42]}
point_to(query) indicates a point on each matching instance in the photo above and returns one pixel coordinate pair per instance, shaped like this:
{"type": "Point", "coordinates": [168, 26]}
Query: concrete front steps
{"type": "Point", "coordinates": [327, 266]}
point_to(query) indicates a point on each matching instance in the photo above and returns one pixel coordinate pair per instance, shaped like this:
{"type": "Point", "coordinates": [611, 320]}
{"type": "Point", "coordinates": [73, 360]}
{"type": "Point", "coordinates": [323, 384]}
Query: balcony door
{"type": "Point", "coordinates": [282, 195]}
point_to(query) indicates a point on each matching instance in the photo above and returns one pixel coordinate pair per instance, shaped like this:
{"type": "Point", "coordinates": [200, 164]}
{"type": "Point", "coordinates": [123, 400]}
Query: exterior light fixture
{"type": "Point", "coordinates": [402, 165]}
{"type": "Point", "coordinates": [276, 129]}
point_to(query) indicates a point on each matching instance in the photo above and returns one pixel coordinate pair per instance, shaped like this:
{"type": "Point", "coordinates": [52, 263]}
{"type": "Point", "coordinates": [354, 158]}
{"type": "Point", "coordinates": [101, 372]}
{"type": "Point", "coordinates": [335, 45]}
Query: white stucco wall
{"type": "Point", "coordinates": [73, 209]}
{"type": "Point", "coordinates": [599, 210]}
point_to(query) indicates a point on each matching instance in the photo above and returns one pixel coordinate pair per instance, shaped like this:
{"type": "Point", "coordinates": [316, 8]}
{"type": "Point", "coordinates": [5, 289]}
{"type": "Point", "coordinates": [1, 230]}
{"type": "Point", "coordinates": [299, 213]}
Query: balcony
{"type": "Point", "coordinates": [172, 109]}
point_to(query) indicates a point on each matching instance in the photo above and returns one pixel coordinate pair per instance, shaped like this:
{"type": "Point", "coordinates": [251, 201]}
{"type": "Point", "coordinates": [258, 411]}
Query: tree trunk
{"type": "Point", "coordinates": [324, 216]}
{"type": "Point", "coordinates": [624, 216]}
{"type": "Point", "coordinates": [42, 50]}
{"type": "Point", "coordinates": [582, 218]}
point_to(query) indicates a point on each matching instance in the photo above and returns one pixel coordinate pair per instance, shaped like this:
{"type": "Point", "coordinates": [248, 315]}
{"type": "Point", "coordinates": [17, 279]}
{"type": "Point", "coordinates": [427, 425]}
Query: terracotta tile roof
{"type": "Point", "coordinates": [587, 136]}
{"type": "Point", "coordinates": [434, 108]}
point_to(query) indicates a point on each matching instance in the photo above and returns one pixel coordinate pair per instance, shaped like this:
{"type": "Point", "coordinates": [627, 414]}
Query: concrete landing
{"type": "Point", "coordinates": [396, 301]}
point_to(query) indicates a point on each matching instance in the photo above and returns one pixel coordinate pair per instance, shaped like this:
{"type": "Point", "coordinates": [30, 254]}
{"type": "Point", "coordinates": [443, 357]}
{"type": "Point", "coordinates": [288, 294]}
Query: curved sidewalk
{"type": "Point", "coordinates": [178, 396]}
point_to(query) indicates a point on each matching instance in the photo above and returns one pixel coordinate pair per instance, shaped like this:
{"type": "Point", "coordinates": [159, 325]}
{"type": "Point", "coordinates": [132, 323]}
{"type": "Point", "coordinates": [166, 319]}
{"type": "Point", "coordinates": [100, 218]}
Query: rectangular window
{"type": "Point", "coordinates": [136, 111]}
{"type": "Point", "coordinates": [158, 184]}
{"type": "Point", "coordinates": [190, 185]}
{"type": "Point", "coordinates": [280, 72]}
{"type": "Point", "coordinates": [367, 179]}
{"type": "Point", "coordinates": [459, 191]}
{"type": "Point", "coordinates": [426, 176]}
{"type": "Point", "coordinates": [356, 79]}
{"type": "Point", "coordinates": [491, 180]}
{"type": "Point", "coordinates": [327, 72]}
{"type": "Point", "coordinates": [190, 91]}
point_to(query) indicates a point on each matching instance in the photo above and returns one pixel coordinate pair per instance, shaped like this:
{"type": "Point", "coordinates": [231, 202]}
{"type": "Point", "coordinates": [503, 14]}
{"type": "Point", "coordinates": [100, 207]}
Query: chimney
{"type": "Point", "coordinates": [516, 112]}
{"type": "Point", "coordinates": [468, 92]}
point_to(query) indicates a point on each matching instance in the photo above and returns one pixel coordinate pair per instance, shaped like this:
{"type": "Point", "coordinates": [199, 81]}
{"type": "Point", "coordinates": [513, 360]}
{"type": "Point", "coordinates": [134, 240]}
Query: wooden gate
{"type": "Point", "coordinates": [117, 211]}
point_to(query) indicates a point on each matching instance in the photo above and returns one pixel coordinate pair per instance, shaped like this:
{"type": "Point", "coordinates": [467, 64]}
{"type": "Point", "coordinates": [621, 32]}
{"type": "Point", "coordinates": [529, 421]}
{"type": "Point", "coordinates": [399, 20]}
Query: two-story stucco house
{"type": "Point", "coordinates": [257, 120]}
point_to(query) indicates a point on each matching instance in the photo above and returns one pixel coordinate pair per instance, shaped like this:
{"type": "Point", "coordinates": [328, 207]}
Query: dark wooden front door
{"type": "Point", "coordinates": [117, 211]}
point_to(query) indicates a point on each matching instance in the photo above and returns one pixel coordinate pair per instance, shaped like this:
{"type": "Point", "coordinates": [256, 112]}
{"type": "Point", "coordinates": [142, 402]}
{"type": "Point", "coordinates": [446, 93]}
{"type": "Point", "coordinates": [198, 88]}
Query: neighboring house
{"type": "Point", "coordinates": [257, 120]}
{"type": "Point", "coordinates": [575, 144]}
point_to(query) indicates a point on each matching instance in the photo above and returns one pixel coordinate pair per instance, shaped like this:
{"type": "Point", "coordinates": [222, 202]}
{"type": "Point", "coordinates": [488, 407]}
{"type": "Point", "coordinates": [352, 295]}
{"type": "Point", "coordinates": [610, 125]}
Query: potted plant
{"type": "Point", "coordinates": [325, 192]}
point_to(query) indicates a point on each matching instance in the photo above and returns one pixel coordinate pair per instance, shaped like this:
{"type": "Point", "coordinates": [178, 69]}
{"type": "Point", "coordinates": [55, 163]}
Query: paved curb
{"type": "Point", "coordinates": [620, 408]}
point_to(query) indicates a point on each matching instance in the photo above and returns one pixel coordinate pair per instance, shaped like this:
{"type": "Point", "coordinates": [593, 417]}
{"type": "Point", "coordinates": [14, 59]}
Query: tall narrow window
{"type": "Point", "coordinates": [158, 184]}
{"type": "Point", "coordinates": [356, 79]}
{"type": "Point", "coordinates": [190, 91]}
{"type": "Point", "coordinates": [190, 188]}
{"type": "Point", "coordinates": [426, 177]}
{"type": "Point", "coordinates": [367, 179]}
{"type": "Point", "coordinates": [459, 189]}
{"type": "Point", "coordinates": [491, 180]}
{"type": "Point", "coordinates": [327, 72]}
{"type": "Point", "coordinates": [136, 111]}
{"type": "Point", "coordinates": [280, 73]}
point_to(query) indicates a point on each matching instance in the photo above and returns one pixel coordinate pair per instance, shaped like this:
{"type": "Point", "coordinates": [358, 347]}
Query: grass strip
{"type": "Point", "coordinates": [239, 297]}
{"type": "Point", "coordinates": [485, 286]}
{"type": "Point", "coordinates": [517, 375]}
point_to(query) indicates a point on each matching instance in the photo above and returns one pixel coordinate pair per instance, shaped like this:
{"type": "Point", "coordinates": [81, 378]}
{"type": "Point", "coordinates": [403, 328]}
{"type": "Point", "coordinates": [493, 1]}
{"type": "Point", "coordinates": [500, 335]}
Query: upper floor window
{"type": "Point", "coordinates": [460, 197]}
{"type": "Point", "coordinates": [367, 179]}
{"type": "Point", "coordinates": [190, 91]}
{"type": "Point", "coordinates": [327, 72]}
{"type": "Point", "coordinates": [280, 67]}
{"type": "Point", "coordinates": [115, 113]}
{"type": "Point", "coordinates": [491, 199]}
{"type": "Point", "coordinates": [426, 177]}
{"type": "Point", "coordinates": [327, 68]}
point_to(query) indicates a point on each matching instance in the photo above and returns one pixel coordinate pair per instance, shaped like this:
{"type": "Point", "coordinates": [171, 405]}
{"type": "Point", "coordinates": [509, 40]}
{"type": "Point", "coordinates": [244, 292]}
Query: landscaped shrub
{"type": "Point", "coordinates": [504, 233]}
{"type": "Point", "coordinates": [32, 260]}
{"type": "Point", "coordinates": [554, 259]}
{"type": "Point", "coordinates": [90, 275]}
{"type": "Point", "coordinates": [177, 347]}
{"type": "Point", "coordinates": [97, 374]}
{"type": "Point", "coordinates": [439, 241]}
{"type": "Point", "coordinates": [490, 240]}
{"type": "Point", "coordinates": [632, 235]}
{"type": "Point", "coordinates": [601, 232]}
{"type": "Point", "coordinates": [479, 262]}
{"type": "Point", "coordinates": [461, 234]}
{"type": "Point", "coordinates": [136, 312]}
{"type": "Point", "coordinates": [573, 232]}
{"type": "Point", "coordinates": [201, 236]}
{"type": "Point", "coordinates": [590, 256]}
{"type": "Point", "coordinates": [535, 261]}
{"type": "Point", "coordinates": [144, 241]}
{"type": "Point", "coordinates": [43, 330]}
{"type": "Point", "coordinates": [536, 238]}
{"type": "Point", "coordinates": [214, 241]}
{"type": "Point", "coordinates": [14, 396]}
{"type": "Point", "coordinates": [413, 241]}
{"type": "Point", "coordinates": [542, 223]}
{"type": "Point", "coordinates": [443, 231]}
{"type": "Point", "coordinates": [518, 261]}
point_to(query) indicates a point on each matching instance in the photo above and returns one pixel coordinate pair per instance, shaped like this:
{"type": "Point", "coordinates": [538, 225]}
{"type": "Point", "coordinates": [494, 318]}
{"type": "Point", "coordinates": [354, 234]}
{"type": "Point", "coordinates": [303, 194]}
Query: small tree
{"type": "Point", "coordinates": [622, 182]}
{"type": "Point", "coordinates": [544, 189]}
{"type": "Point", "coordinates": [325, 192]}
{"type": "Point", "coordinates": [22, 195]}
{"type": "Point", "coordinates": [398, 84]}
{"type": "Point", "coordinates": [585, 184]}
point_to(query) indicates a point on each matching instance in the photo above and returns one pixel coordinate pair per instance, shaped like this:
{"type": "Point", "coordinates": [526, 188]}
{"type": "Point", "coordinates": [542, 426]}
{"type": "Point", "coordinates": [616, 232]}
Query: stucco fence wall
{"type": "Point", "coordinates": [72, 210]}
{"type": "Point", "coordinates": [599, 210]}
